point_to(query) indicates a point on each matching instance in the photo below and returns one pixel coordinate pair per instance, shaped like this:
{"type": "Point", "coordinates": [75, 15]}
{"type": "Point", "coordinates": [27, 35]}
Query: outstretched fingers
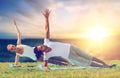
{"type": "Point", "coordinates": [46, 12]}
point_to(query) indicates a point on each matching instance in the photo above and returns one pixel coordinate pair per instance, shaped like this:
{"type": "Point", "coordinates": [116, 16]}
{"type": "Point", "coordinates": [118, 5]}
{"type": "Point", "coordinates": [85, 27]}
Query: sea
{"type": "Point", "coordinates": [104, 50]}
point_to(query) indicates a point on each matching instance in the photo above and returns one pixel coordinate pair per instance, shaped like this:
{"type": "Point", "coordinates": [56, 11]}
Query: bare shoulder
{"type": "Point", "coordinates": [19, 46]}
{"type": "Point", "coordinates": [19, 49]}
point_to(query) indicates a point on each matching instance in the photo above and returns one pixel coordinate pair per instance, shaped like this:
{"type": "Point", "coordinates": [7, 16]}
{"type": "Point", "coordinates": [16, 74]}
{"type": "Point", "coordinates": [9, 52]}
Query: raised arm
{"type": "Point", "coordinates": [46, 14]}
{"type": "Point", "coordinates": [18, 41]}
{"type": "Point", "coordinates": [16, 60]}
{"type": "Point", "coordinates": [18, 33]}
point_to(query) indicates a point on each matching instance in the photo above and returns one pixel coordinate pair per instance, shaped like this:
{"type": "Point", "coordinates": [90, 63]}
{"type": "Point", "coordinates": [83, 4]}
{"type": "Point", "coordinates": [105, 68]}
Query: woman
{"type": "Point", "coordinates": [20, 49]}
{"type": "Point", "coordinates": [67, 51]}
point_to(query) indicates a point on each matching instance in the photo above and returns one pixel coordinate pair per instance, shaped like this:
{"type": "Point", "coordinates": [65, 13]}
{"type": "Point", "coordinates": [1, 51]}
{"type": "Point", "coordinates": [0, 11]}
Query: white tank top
{"type": "Point", "coordinates": [28, 52]}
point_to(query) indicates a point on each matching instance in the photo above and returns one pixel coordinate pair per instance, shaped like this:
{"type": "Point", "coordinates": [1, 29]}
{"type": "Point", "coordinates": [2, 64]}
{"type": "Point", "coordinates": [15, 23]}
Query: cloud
{"type": "Point", "coordinates": [38, 5]}
{"type": "Point", "coordinates": [22, 7]}
{"type": "Point", "coordinates": [24, 11]}
{"type": "Point", "coordinates": [78, 12]}
{"type": "Point", "coordinates": [4, 35]}
{"type": "Point", "coordinates": [0, 18]}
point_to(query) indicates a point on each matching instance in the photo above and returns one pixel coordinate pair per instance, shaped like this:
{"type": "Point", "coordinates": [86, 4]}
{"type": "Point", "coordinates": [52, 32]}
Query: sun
{"type": "Point", "coordinates": [97, 33]}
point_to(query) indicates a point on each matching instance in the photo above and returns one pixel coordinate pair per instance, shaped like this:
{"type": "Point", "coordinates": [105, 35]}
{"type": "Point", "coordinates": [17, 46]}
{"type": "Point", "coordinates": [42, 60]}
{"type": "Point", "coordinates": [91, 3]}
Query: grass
{"type": "Point", "coordinates": [34, 72]}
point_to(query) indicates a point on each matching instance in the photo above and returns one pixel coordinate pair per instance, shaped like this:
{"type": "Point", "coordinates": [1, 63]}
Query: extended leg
{"type": "Point", "coordinates": [100, 61]}
{"type": "Point", "coordinates": [96, 64]}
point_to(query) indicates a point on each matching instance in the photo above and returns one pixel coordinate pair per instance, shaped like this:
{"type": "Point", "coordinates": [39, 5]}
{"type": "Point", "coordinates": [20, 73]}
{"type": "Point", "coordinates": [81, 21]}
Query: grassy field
{"type": "Point", "coordinates": [34, 72]}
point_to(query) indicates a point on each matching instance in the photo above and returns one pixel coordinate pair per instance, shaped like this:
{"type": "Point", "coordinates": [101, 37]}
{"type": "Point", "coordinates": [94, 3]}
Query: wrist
{"type": "Point", "coordinates": [45, 66]}
{"type": "Point", "coordinates": [15, 65]}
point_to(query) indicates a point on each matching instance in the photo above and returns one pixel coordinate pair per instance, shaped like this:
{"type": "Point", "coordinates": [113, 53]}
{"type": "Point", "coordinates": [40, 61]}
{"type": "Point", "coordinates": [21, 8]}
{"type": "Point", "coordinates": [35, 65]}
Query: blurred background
{"type": "Point", "coordinates": [92, 25]}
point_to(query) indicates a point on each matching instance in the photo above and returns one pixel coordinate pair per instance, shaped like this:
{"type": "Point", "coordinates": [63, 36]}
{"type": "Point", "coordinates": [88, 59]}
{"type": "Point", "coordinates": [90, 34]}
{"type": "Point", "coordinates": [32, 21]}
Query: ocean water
{"type": "Point", "coordinates": [104, 50]}
{"type": "Point", "coordinates": [6, 56]}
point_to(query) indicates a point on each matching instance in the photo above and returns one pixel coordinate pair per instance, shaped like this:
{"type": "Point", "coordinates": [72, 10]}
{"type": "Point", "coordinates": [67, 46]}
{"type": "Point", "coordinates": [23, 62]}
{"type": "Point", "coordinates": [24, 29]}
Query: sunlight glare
{"type": "Point", "coordinates": [97, 33]}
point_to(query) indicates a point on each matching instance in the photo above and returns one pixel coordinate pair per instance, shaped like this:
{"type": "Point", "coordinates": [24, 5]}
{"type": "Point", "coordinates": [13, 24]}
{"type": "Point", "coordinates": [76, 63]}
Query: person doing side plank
{"type": "Point", "coordinates": [71, 53]}
{"type": "Point", "coordinates": [20, 49]}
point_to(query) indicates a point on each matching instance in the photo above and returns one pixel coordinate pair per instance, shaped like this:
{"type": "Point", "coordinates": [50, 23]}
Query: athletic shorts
{"type": "Point", "coordinates": [79, 57]}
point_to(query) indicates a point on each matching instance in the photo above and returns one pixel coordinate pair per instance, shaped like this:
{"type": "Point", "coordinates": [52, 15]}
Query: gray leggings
{"type": "Point", "coordinates": [79, 57]}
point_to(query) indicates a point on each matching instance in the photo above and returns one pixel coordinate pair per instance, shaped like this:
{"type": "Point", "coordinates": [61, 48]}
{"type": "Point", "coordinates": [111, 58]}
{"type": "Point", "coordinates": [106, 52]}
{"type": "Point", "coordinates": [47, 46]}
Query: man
{"type": "Point", "coordinates": [67, 51]}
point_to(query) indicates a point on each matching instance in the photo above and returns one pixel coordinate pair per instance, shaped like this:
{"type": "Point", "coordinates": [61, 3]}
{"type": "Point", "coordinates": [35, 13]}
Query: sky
{"type": "Point", "coordinates": [95, 20]}
{"type": "Point", "coordinates": [68, 18]}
